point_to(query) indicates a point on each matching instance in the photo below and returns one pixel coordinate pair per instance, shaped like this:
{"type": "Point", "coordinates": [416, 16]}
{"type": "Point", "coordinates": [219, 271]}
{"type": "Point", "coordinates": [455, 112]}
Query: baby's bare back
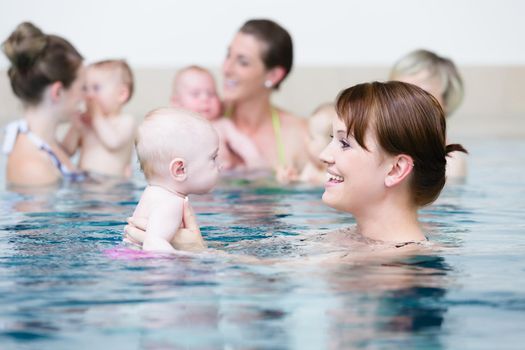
{"type": "Point", "coordinates": [162, 211]}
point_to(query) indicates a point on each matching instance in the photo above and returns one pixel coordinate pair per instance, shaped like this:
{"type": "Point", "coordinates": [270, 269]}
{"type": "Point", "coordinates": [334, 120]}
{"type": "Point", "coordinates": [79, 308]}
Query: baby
{"type": "Point", "coordinates": [319, 130]}
{"type": "Point", "coordinates": [104, 134]}
{"type": "Point", "coordinates": [177, 150]}
{"type": "Point", "coordinates": [194, 90]}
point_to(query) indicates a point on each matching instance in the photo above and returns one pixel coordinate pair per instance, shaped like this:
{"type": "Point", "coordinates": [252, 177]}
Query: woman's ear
{"type": "Point", "coordinates": [56, 90]}
{"type": "Point", "coordinates": [402, 166]}
{"type": "Point", "coordinates": [274, 76]}
{"type": "Point", "coordinates": [178, 169]}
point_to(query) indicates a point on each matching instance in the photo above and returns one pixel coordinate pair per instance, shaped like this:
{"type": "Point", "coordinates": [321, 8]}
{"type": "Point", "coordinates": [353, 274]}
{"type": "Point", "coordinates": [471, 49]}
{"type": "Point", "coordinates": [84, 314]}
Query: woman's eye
{"type": "Point", "coordinates": [244, 62]}
{"type": "Point", "coordinates": [344, 143]}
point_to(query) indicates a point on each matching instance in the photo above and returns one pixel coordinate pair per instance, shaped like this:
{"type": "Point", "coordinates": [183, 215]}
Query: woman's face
{"type": "Point", "coordinates": [426, 81]}
{"type": "Point", "coordinates": [74, 96]}
{"type": "Point", "coordinates": [355, 176]}
{"type": "Point", "coordinates": [243, 70]}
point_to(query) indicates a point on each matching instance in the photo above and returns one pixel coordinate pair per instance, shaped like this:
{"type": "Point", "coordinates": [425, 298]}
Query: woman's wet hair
{"type": "Point", "coordinates": [404, 119]}
{"type": "Point", "coordinates": [278, 46]}
{"type": "Point", "coordinates": [37, 60]}
{"type": "Point", "coordinates": [437, 67]}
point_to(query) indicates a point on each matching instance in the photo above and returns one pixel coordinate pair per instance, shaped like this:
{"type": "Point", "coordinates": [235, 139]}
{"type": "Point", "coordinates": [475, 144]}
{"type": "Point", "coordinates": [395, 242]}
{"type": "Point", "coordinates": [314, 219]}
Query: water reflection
{"type": "Point", "coordinates": [400, 303]}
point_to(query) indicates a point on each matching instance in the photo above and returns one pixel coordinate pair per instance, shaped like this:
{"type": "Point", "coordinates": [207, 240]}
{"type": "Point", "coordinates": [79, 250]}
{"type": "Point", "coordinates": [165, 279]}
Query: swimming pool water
{"type": "Point", "coordinates": [65, 283]}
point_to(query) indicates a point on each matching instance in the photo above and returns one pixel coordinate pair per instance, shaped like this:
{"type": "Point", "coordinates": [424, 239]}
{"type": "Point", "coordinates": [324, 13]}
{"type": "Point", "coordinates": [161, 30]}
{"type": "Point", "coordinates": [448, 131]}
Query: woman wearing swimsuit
{"type": "Point", "coordinates": [46, 74]}
{"type": "Point", "coordinates": [259, 58]}
{"type": "Point", "coordinates": [386, 160]}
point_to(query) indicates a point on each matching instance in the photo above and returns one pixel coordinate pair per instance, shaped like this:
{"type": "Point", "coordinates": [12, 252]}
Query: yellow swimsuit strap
{"type": "Point", "coordinates": [276, 122]}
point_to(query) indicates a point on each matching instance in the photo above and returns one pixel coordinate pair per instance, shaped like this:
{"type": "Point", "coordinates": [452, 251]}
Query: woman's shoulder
{"type": "Point", "coordinates": [27, 165]}
{"type": "Point", "coordinates": [293, 122]}
{"type": "Point", "coordinates": [287, 116]}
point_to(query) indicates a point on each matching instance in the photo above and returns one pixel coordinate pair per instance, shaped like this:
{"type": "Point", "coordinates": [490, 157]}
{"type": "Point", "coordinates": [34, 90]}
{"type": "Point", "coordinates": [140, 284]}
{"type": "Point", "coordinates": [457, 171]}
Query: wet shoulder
{"type": "Point", "coordinates": [28, 165]}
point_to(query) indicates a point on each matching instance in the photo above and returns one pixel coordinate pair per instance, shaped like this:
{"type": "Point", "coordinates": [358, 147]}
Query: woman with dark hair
{"type": "Point", "coordinates": [46, 74]}
{"type": "Point", "coordinates": [259, 58]}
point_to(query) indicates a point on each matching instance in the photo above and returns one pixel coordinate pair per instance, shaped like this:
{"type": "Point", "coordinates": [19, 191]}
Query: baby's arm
{"type": "Point", "coordinates": [73, 138]}
{"type": "Point", "coordinates": [114, 137]}
{"type": "Point", "coordinates": [241, 144]}
{"type": "Point", "coordinates": [71, 141]}
{"type": "Point", "coordinates": [163, 223]}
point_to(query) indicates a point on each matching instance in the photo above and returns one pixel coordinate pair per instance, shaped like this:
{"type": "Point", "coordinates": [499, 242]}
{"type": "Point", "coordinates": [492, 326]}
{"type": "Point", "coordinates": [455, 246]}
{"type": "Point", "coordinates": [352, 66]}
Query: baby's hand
{"type": "Point", "coordinates": [94, 110]}
{"type": "Point", "coordinates": [286, 174]}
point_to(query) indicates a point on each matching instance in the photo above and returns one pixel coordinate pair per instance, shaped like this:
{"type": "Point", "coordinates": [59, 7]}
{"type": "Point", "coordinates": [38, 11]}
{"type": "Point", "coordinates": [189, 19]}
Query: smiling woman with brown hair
{"type": "Point", "coordinates": [259, 58]}
{"type": "Point", "coordinates": [387, 158]}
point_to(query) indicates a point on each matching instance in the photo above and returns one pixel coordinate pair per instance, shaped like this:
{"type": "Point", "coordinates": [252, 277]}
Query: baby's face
{"type": "Point", "coordinates": [196, 92]}
{"type": "Point", "coordinates": [319, 129]}
{"type": "Point", "coordinates": [202, 166]}
{"type": "Point", "coordinates": [104, 87]}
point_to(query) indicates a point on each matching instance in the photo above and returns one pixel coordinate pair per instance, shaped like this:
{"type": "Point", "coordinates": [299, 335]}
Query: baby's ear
{"type": "Point", "coordinates": [178, 169]}
{"type": "Point", "coordinates": [124, 94]}
{"type": "Point", "coordinates": [174, 101]}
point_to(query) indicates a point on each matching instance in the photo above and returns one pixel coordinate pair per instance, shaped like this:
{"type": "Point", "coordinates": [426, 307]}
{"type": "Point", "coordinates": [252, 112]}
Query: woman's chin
{"type": "Point", "coordinates": [230, 95]}
{"type": "Point", "coordinates": [327, 199]}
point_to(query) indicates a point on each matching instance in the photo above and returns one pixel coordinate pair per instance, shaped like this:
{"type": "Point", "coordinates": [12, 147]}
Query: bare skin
{"type": "Point", "coordinates": [27, 165]}
{"type": "Point", "coordinates": [194, 90]}
{"type": "Point", "coordinates": [174, 169]}
{"type": "Point", "coordinates": [248, 86]}
{"type": "Point", "coordinates": [103, 134]}
{"type": "Point", "coordinates": [105, 143]}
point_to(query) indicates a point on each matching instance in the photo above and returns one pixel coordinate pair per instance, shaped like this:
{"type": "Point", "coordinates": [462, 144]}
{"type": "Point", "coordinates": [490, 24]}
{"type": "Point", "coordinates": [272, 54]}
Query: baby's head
{"type": "Point", "coordinates": [194, 90]}
{"type": "Point", "coordinates": [110, 83]}
{"type": "Point", "coordinates": [435, 74]}
{"type": "Point", "coordinates": [178, 148]}
{"type": "Point", "coordinates": [319, 129]}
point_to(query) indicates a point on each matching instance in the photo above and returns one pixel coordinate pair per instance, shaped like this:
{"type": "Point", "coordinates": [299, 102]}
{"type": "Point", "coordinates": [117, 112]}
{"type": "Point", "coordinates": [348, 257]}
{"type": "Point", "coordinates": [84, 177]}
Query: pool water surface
{"type": "Point", "coordinates": [66, 282]}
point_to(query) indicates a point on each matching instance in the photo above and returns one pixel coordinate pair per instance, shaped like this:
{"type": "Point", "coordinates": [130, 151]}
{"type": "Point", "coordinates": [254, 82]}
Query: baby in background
{"type": "Point", "coordinates": [194, 90]}
{"type": "Point", "coordinates": [319, 130]}
{"type": "Point", "coordinates": [104, 134]}
{"type": "Point", "coordinates": [177, 150]}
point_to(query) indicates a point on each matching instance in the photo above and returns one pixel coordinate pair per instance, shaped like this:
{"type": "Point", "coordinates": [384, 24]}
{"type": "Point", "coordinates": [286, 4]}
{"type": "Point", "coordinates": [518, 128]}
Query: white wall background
{"type": "Point", "coordinates": [167, 33]}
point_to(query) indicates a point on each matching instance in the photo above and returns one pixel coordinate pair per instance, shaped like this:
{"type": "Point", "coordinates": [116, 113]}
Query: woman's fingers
{"type": "Point", "coordinates": [188, 218]}
{"type": "Point", "coordinates": [134, 234]}
{"type": "Point", "coordinates": [139, 222]}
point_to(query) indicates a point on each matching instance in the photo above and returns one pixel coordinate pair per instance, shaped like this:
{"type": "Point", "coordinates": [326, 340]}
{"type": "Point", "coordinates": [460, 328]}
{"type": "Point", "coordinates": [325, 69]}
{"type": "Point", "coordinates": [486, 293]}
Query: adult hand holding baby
{"type": "Point", "coordinates": [187, 238]}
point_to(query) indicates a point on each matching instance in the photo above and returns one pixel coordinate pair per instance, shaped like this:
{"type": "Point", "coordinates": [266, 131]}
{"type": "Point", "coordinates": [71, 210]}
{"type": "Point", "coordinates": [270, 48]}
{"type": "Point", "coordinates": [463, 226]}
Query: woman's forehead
{"type": "Point", "coordinates": [247, 44]}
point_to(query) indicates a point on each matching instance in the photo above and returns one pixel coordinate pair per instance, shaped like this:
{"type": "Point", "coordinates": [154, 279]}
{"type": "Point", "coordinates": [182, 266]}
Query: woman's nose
{"type": "Point", "coordinates": [226, 66]}
{"type": "Point", "coordinates": [326, 155]}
